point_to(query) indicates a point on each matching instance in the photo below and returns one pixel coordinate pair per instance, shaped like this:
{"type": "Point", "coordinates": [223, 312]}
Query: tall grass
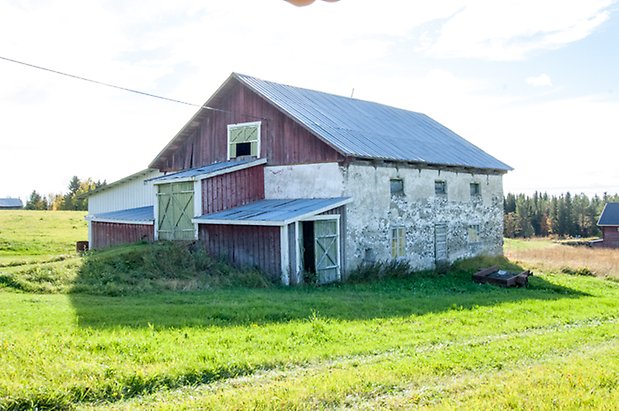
{"type": "Point", "coordinates": [546, 255]}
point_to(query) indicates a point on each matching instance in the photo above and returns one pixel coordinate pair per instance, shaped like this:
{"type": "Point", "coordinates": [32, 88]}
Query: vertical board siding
{"type": "Point", "coordinates": [611, 237]}
{"type": "Point", "coordinates": [245, 246]}
{"type": "Point", "coordinates": [282, 140]}
{"type": "Point", "coordinates": [232, 189]}
{"type": "Point", "coordinates": [109, 234]}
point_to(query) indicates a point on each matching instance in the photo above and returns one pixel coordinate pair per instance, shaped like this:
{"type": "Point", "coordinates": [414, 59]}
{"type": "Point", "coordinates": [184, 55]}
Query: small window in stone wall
{"type": "Point", "coordinates": [398, 242]}
{"type": "Point", "coordinates": [440, 187]}
{"type": "Point", "coordinates": [475, 189]}
{"type": "Point", "coordinates": [473, 233]}
{"type": "Point", "coordinates": [396, 186]}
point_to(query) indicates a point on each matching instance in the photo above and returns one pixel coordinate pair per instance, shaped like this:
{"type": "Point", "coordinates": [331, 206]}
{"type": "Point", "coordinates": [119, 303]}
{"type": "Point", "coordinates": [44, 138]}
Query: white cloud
{"type": "Point", "coordinates": [505, 30]}
{"type": "Point", "coordinates": [542, 80]}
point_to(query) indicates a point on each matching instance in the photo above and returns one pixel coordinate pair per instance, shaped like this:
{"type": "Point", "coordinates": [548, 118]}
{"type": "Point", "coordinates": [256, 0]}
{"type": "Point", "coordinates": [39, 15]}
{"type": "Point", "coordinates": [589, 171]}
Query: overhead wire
{"type": "Point", "coordinates": [103, 83]}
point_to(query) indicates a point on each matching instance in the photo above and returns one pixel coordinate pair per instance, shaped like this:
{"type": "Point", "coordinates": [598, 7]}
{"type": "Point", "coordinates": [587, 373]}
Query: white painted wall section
{"type": "Point", "coordinates": [128, 194]}
{"type": "Point", "coordinates": [321, 180]}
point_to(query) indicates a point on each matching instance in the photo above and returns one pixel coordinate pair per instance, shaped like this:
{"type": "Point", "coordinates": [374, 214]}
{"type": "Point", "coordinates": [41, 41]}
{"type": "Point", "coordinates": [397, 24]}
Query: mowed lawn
{"type": "Point", "coordinates": [426, 341]}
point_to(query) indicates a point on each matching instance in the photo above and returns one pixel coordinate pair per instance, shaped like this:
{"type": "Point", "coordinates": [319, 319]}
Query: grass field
{"type": "Point", "coordinates": [547, 255]}
{"type": "Point", "coordinates": [37, 236]}
{"type": "Point", "coordinates": [426, 341]}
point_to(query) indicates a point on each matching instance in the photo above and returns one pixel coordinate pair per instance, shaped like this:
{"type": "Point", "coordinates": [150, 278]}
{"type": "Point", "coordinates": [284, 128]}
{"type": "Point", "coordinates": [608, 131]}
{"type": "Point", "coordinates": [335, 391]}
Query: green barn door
{"type": "Point", "coordinates": [326, 251]}
{"type": "Point", "coordinates": [175, 211]}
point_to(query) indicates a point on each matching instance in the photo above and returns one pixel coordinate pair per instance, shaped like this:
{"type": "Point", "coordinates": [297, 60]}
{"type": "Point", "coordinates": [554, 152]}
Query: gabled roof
{"type": "Point", "coordinates": [211, 170]}
{"type": "Point", "coordinates": [273, 212]}
{"type": "Point", "coordinates": [359, 129]}
{"type": "Point", "coordinates": [610, 215]}
{"type": "Point", "coordinates": [10, 203]}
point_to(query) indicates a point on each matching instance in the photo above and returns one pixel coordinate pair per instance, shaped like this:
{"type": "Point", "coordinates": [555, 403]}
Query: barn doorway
{"type": "Point", "coordinates": [319, 244]}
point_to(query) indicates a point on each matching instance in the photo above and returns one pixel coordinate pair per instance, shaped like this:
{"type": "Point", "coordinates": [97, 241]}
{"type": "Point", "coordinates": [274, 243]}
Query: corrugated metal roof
{"type": "Point", "coordinates": [610, 215]}
{"type": "Point", "coordinates": [10, 203]}
{"type": "Point", "coordinates": [273, 212]}
{"type": "Point", "coordinates": [208, 171]}
{"type": "Point", "coordinates": [145, 215]}
{"type": "Point", "coordinates": [364, 129]}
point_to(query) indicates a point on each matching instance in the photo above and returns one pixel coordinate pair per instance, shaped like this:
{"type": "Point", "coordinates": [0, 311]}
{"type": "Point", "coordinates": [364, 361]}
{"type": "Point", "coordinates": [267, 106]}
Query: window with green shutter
{"type": "Point", "coordinates": [244, 140]}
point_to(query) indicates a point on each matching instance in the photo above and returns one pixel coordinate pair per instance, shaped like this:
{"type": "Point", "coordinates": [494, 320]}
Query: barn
{"type": "Point", "coordinates": [609, 224]}
{"type": "Point", "coordinates": [11, 204]}
{"type": "Point", "coordinates": [303, 183]}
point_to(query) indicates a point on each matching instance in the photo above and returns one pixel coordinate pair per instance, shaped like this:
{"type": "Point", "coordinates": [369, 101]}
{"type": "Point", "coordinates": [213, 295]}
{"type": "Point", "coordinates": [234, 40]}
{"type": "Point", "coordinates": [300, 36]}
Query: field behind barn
{"type": "Point", "coordinates": [425, 340]}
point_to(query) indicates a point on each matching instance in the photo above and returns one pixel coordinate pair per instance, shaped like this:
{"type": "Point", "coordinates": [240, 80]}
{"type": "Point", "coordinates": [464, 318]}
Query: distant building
{"type": "Point", "coordinates": [11, 204]}
{"type": "Point", "coordinates": [609, 224]}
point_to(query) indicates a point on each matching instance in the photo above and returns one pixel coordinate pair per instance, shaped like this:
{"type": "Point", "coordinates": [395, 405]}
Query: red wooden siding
{"type": "Point", "coordinates": [253, 246]}
{"type": "Point", "coordinates": [232, 189]}
{"type": "Point", "coordinates": [611, 236]}
{"type": "Point", "coordinates": [282, 140]}
{"type": "Point", "coordinates": [109, 234]}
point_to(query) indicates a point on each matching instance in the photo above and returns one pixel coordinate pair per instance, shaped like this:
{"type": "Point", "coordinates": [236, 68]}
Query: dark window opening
{"type": "Point", "coordinates": [309, 254]}
{"type": "Point", "coordinates": [440, 187]}
{"type": "Point", "coordinates": [475, 189]}
{"type": "Point", "coordinates": [396, 186]}
{"type": "Point", "coordinates": [243, 149]}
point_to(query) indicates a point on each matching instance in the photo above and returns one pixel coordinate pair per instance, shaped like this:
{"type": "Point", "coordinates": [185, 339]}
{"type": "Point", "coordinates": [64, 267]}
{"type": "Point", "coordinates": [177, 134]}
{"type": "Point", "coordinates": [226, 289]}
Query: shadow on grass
{"type": "Point", "coordinates": [418, 294]}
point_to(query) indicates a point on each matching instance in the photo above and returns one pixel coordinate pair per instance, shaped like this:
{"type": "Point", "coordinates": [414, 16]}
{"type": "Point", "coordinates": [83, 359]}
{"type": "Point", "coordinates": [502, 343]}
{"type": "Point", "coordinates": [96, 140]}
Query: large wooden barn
{"type": "Point", "coordinates": [297, 181]}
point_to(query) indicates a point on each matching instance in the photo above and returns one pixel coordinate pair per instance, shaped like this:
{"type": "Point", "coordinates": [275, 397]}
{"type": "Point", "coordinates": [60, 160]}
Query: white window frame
{"type": "Point", "coordinates": [473, 233]}
{"type": "Point", "coordinates": [398, 238]}
{"type": "Point", "coordinates": [256, 124]}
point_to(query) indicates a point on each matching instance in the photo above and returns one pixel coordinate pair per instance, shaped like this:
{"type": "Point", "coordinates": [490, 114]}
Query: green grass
{"type": "Point", "coordinates": [422, 341]}
{"type": "Point", "coordinates": [28, 237]}
{"type": "Point", "coordinates": [166, 327]}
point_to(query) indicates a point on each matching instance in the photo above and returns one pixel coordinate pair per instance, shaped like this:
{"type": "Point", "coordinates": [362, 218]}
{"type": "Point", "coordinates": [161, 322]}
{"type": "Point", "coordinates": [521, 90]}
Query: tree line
{"type": "Point", "coordinates": [542, 215]}
{"type": "Point", "coordinates": [74, 199]}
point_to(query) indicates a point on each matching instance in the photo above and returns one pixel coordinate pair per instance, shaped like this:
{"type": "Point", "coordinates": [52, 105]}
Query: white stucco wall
{"type": "Point", "coordinates": [374, 211]}
{"type": "Point", "coordinates": [132, 193]}
{"type": "Point", "coordinates": [303, 181]}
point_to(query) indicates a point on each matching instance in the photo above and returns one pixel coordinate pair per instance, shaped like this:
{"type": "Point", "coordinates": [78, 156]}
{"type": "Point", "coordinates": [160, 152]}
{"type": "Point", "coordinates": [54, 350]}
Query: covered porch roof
{"type": "Point", "coordinates": [273, 212]}
{"type": "Point", "coordinates": [139, 215]}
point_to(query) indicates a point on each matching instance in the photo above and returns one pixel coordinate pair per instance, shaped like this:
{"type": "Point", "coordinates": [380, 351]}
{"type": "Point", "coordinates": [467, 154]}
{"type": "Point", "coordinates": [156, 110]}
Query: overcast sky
{"type": "Point", "coordinates": [534, 83]}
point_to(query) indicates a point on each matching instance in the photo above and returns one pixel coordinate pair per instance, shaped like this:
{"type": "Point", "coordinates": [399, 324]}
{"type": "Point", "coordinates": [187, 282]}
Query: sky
{"type": "Point", "coordinates": [532, 82]}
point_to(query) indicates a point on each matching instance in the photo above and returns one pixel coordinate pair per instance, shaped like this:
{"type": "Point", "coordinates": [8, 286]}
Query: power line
{"type": "Point", "coordinates": [102, 83]}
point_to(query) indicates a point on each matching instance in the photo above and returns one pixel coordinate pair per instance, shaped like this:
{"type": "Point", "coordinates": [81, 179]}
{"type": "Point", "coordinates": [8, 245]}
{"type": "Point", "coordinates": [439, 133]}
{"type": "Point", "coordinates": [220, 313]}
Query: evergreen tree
{"type": "Point", "coordinates": [36, 202]}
